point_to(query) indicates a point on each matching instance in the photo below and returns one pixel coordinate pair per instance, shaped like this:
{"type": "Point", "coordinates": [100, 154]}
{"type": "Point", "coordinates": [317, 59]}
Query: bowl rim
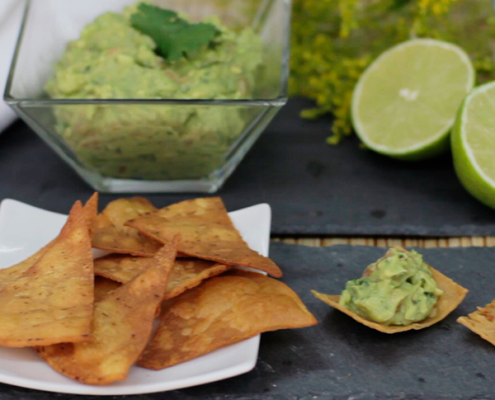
{"type": "Point", "coordinates": [277, 101]}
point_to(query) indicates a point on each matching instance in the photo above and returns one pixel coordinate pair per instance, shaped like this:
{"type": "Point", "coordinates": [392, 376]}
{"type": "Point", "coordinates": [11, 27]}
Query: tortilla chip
{"type": "Point", "coordinates": [91, 210]}
{"type": "Point", "coordinates": [186, 274]}
{"type": "Point", "coordinates": [52, 301]}
{"type": "Point", "coordinates": [121, 268]}
{"type": "Point", "coordinates": [189, 273]}
{"type": "Point", "coordinates": [453, 295]}
{"type": "Point", "coordinates": [482, 322]}
{"type": "Point", "coordinates": [206, 231]}
{"type": "Point", "coordinates": [123, 322]}
{"type": "Point", "coordinates": [222, 311]}
{"type": "Point", "coordinates": [110, 233]}
{"type": "Point", "coordinates": [103, 287]}
{"type": "Point", "coordinates": [8, 275]}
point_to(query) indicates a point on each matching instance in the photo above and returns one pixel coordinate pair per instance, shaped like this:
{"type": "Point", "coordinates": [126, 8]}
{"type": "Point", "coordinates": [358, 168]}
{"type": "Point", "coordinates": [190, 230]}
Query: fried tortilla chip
{"type": "Point", "coordinates": [189, 273]}
{"type": "Point", "coordinates": [109, 232]}
{"type": "Point", "coordinates": [8, 275]}
{"type": "Point", "coordinates": [123, 322]}
{"type": "Point", "coordinates": [52, 302]}
{"type": "Point", "coordinates": [206, 231]}
{"type": "Point", "coordinates": [453, 295]}
{"type": "Point", "coordinates": [121, 268]}
{"type": "Point", "coordinates": [222, 311]}
{"type": "Point", "coordinates": [186, 274]}
{"type": "Point", "coordinates": [91, 210]}
{"type": "Point", "coordinates": [104, 286]}
{"type": "Point", "coordinates": [482, 322]}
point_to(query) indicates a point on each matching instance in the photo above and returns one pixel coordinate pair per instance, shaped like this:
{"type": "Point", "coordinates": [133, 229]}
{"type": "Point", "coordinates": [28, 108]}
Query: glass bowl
{"type": "Point", "coordinates": [148, 145]}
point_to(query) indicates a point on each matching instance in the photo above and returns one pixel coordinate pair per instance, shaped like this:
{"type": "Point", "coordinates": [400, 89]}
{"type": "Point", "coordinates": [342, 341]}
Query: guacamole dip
{"type": "Point", "coordinates": [113, 60]}
{"type": "Point", "coordinates": [396, 290]}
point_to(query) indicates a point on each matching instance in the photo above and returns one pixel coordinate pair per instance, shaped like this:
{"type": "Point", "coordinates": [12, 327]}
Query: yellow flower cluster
{"type": "Point", "coordinates": [346, 9]}
{"type": "Point", "coordinates": [335, 40]}
{"type": "Point", "coordinates": [435, 7]}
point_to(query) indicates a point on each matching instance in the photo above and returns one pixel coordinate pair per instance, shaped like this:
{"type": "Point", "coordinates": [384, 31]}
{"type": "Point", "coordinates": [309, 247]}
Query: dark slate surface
{"type": "Point", "coordinates": [313, 188]}
{"type": "Point", "coordinates": [341, 359]}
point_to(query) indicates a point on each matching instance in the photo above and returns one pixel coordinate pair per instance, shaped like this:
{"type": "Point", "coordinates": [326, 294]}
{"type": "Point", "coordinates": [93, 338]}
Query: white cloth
{"type": "Point", "coordinates": [11, 12]}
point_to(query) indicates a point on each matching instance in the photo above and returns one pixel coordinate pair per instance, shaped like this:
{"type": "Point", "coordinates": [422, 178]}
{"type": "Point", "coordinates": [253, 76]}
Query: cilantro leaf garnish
{"type": "Point", "coordinates": [174, 37]}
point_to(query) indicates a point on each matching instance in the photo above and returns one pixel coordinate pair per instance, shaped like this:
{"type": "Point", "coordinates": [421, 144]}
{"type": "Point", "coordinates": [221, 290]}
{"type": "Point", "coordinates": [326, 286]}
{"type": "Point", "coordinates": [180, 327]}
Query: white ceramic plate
{"type": "Point", "coordinates": [25, 229]}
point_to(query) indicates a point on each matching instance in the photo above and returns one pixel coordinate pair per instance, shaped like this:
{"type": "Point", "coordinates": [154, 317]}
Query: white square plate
{"type": "Point", "coordinates": [25, 229]}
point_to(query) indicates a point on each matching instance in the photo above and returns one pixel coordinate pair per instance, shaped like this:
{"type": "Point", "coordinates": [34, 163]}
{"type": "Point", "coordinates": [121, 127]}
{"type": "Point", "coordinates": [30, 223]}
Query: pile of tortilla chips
{"type": "Point", "coordinates": [91, 320]}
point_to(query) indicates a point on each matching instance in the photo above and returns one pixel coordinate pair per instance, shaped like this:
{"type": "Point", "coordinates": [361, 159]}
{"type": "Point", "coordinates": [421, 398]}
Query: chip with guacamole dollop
{"type": "Point", "coordinates": [113, 59]}
{"type": "Point", "coordinates": [396, 293]}
{"type": "Point", "coordinates": [398, 289]}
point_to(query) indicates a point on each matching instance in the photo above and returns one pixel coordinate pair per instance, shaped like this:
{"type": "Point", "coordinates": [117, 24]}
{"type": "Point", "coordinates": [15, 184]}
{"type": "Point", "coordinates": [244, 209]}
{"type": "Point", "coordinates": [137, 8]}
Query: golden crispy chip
{"type": "Point", "coordinates": [91, 210]}
{"type": "Point", "coordinates": [121, 268]}
{"type": "Point", "coordinates": [453, 294]}
{"type": "Point", "coordinates": [123, 322]}
{"type": "Point", "coordinates": [189, 273]}
{"type": "Point", "coordinates": [186, 274]}
{"type": "Point", "coordinates": [222, 311]}
{"type": "Point", "coordinates": [206, 231]}
{"type": "Point", "coordinates": [110, 234]}
{"type": "Point", "coordinates": [52, 302]}
{"type": "Point", "coordinates": [482, 322]}
{"type": "Point", "coordinates": [104, 286]}
{"type": "Point", "coordinates": [8, 275]}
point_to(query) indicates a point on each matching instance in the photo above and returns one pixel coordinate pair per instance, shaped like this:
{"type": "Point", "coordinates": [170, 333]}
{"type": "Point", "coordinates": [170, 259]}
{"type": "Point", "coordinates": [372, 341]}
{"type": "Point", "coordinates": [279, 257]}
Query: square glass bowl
{"type": "Point", "coordinates": [148, 145]}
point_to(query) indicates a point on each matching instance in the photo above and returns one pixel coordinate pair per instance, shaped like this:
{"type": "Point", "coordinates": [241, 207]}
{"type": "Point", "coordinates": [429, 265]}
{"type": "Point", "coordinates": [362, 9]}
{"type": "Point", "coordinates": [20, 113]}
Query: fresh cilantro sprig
{"type": "Point", "coordinates": [174, 37]}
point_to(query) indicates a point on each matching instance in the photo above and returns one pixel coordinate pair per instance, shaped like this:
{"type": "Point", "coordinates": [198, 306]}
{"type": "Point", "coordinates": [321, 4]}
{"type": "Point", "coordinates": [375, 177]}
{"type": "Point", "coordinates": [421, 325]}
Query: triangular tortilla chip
{"type": "Point", "coordinates": [121, 268]}
{"type": "Point", "coordinates": [482, 322]}
{"type": "Point", "coordinates": [222, 311]}
{"type": "Point", "coordinates": [452, 296]}
{"type": "Point", "coordinates": [8, 275]}
{"type": "Point", "coordinates": [109, 232]}
{"type": "Point", "coordinates": [52, 302]}
{"type": "Point", "coordinates": [186, 273]}
{"type": "Point", "coordinates": [91, 211]}
{"type": "Point", "coordinates": [103, 287]}
{"type": "Point", "coordinates": [206, 231]}
{"type": "Point", "coordinates": [189, 273]}
{"type": "Point", "coordinates": [123, 322]}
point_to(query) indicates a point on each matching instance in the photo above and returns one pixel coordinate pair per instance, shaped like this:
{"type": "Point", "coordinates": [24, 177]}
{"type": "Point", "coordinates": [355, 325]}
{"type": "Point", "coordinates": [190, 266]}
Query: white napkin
{"type": "Point", "coordinates": [11, 12]}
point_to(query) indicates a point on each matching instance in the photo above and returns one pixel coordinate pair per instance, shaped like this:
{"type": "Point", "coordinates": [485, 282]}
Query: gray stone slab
{"type": "Point", "coordinates": [313, 188]}
{"type": "Point", "coordinates": [341, 359]}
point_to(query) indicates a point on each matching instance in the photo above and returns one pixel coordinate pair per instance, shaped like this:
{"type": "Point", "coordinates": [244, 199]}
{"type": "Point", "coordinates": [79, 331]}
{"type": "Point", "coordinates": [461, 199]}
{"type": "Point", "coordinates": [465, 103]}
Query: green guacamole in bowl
{"type": "Point", "coordinates": [114, 60]}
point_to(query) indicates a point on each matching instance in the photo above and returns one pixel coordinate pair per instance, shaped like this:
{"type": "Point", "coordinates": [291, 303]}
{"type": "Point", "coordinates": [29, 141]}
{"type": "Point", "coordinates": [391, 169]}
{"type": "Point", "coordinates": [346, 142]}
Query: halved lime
{"type": "Point", "coordinates": [473, 144]}
{"type": "Point", "coordinates": [405, 103]}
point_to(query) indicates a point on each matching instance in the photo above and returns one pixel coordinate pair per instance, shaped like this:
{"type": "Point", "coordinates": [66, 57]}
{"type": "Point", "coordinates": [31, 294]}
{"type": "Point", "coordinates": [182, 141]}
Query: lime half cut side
{"type": "Point", "coordinates": [405, 103]}
{"type": "Point", "coordinates": [473, 144]}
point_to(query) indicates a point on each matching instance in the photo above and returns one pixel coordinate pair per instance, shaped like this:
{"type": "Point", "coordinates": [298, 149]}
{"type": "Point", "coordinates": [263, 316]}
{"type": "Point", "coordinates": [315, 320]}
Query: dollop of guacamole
{"type": "Point", "coordinates": [112, 60]}
{"type": "Point", "coordinates": [398, 289]}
